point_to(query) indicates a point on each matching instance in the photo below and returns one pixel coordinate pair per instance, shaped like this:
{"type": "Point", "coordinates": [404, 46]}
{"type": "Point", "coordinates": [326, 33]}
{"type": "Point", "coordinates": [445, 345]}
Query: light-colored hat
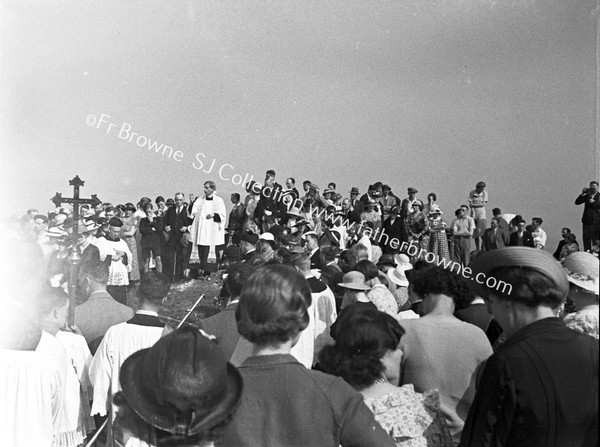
{"type": "Point", "coordinates": [267, 236]}
{"type": "Point", "coordinates": [60, 219]}
{"type": "Point", "coordinates": [398, 275]}
{"type": "Point", "coordinates": [435, 209]}
{"type": "Point", "coordinates": [310, 233]}
{"type": "Point", "coordinates": [294, 211]}
{"type": "Point", "coordinates": [354, 281]}
{"type": "Point", "coordinates": [582, 269]}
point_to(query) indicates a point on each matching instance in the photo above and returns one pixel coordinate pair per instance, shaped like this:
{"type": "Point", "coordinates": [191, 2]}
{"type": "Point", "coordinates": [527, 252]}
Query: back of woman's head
{"type": "Point", "coordinates": [527, 286]}
{"type": "Point", "coordinates": [438, 280]}
{"type": "Point", "coordinates": [362, 337]}
{"type": "Point", "coordinates": [367, 268]}
{"type": "Point", "coordinates": [273, 305]}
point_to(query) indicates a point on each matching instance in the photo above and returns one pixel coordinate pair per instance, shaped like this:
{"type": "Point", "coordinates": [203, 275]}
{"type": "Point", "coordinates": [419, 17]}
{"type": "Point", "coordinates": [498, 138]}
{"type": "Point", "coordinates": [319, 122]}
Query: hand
{"type": "Point", "coordinates": [74, 329]}
{"type": "Point", "coordinates": [168, 228]}
{"type": "Point", "coordinates": [120, 253]}
{"type": "Point", "coordinates": [184, 229]}
{"type": "Point", "coordinates": [209, 216]}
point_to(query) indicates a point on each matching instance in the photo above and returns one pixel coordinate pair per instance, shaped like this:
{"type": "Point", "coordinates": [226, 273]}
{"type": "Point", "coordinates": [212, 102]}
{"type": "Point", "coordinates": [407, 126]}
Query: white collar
{"type": "Point", "coordinates": [146, 312]}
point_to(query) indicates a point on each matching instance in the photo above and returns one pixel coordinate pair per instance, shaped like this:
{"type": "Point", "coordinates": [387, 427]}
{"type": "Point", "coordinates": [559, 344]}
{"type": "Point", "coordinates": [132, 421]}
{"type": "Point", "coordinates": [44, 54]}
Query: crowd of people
{"type": "Point", "coordinates": [334, 331]}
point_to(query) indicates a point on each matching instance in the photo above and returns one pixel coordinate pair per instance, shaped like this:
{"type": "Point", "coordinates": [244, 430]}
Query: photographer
{"type": "Point", "coordinates": [591, 214]}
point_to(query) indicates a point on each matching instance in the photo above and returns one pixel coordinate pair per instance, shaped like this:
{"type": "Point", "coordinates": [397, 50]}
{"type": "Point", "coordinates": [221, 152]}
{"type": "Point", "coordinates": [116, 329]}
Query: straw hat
{"type": "Point", "coordinates": [354, 281]}
{"type": "Point", "coordinates": [538, 260]}
{"type": "Point", "coordinates": [183, 384]}
{"type": "Point", "coordinates": [582, 270]}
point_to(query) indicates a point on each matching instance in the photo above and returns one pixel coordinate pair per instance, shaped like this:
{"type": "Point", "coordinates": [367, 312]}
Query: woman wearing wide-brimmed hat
{"type": "Point", "coordinates": [582, 271]}
{"type": "Point", "coordinates": [540, 388]}
{"type": "Point", "coordinates": [182, 391]}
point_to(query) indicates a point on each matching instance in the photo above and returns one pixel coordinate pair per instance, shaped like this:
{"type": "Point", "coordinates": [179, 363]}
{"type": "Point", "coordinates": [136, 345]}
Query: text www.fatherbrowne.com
{"type": "Point", "coordinates": [412, 250]}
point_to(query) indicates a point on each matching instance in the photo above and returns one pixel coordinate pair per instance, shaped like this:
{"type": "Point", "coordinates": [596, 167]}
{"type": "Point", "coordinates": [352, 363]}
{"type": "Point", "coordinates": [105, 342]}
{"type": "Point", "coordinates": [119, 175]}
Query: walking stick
{"type": "Point", "coordinates": [97, 433]}
{"type": "Point", "coordinates": [190, 311]}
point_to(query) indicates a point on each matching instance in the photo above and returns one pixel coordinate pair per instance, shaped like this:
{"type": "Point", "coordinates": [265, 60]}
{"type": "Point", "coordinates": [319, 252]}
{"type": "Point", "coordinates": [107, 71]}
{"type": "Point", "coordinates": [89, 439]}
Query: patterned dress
{"type": "Point", "coordinates": [412, 419]}
{"type": "Point", "coordinates": [438, 242]}
{"type": "Point", "coordinates": [584, 321]}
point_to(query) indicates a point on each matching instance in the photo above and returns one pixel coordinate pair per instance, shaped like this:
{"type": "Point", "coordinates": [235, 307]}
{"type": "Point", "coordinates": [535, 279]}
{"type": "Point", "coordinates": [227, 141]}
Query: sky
{"type": "Point", "coordinates": [436, 95]}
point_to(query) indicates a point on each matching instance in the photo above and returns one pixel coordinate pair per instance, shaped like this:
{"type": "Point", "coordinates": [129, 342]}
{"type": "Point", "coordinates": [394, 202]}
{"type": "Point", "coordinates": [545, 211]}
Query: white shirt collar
{"type": "Point", "coordinates": [146, 312]}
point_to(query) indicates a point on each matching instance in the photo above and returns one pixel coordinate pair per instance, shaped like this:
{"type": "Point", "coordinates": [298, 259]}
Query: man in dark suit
{"type": "Point", "coordinates": [356, 206]}
{"type": "Point", "coordinates": [224, 325]}
{"type": "Point", "coordinates": [502, 223]}
{"type": "Point", "coordinates": [590, 197]}
{"type": "Point", "coordinates": [248, 246]}
{"type": "Point", "coordinates": [561, 243]}
{"type": "Point", "coordinates": [176, 223]}
{"type": "Point", "coordinates": [494, 237]}
{"type": "Point", "coordinates": [394, 228]}
{"type": "Point", "coordinates": [521, 237]}
{"type": "Point", "coordinates": [312, 249]}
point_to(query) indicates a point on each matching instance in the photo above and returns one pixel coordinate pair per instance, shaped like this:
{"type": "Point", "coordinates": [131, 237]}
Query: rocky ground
{"type": "Point", "coordinates": [182, 297]}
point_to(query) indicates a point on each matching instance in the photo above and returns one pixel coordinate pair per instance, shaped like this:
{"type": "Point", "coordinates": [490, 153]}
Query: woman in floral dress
{"type": "Point", "coordinates": [366, 354]}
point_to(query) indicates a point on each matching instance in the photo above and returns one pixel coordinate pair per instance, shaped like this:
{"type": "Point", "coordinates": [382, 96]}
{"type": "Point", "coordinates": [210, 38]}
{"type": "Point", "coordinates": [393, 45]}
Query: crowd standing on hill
{"type": "Point", "coordinates": [343, 324]}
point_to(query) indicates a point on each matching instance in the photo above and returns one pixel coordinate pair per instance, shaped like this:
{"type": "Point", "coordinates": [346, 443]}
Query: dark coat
{"type": "Point", "coordinates": [527, 239]}
{"type": "Point", "coordinates": [540, 389]}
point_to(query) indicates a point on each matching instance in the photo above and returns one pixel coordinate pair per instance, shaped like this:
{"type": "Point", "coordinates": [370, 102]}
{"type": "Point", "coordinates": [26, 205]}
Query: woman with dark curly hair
{"type": "Point", "coordinates": [440, 351]}
{"type": "Point", "coordinates": [366, 354]}
{"type": "Point", "coordinates": [283, 403]}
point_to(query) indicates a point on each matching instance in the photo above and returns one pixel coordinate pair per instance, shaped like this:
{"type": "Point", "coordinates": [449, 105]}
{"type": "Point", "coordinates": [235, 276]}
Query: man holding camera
{"type": "Point", "coordinates": [590, 197]}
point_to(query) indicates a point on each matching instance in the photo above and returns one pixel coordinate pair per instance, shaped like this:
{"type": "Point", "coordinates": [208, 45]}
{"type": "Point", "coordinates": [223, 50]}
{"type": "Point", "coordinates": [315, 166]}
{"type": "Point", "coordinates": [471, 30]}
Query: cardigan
{"type": "Point", "coordinates": [284, 404]}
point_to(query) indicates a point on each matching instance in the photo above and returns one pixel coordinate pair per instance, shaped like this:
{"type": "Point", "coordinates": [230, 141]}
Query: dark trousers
{"type": "Point", "coordinates": [119, 293]}
{"type": "Point", "coordinates": [203, 251]}
{"type": "Point", "coordinates": [173, 259]}
{"type": "Point", "coordinates": [591, 233]}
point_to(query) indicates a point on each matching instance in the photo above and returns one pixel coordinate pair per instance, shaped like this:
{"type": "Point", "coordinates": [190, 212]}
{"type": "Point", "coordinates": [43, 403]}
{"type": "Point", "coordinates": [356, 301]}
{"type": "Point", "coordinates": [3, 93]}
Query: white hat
{"type": "Point", "coordinates": [582, 270]}
{"type": "Point", "coordinates": [398, 274]}
{"type": "Point", "coordinates": [308, 233]}
{"type": "Point", "coordinates": [266, 236]}
{"type": "Point", "coordinates": [294, 211]}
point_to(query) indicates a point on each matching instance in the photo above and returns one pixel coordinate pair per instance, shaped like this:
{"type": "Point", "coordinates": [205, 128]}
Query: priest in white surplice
{"type": "Point", "coordinates": [209, 214]}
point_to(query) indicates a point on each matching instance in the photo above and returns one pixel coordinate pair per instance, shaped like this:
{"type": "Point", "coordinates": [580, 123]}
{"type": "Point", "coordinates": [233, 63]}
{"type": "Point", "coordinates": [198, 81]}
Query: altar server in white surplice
{"type": "Point", "coordinates": [122, 340]}
{"type": "Point", "coordinates": [52, 306]}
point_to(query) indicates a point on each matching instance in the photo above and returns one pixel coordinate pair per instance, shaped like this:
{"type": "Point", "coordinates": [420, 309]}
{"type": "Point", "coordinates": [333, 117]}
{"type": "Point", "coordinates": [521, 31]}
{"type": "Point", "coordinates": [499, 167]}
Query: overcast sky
{"type": "Point", "coordinates": [432, 94]}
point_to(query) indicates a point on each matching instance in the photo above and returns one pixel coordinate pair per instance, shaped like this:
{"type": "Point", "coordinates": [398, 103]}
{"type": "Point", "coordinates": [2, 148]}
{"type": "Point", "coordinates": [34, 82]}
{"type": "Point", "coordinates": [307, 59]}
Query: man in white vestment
{"type": "Point", "coordinates": [208, 229]}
